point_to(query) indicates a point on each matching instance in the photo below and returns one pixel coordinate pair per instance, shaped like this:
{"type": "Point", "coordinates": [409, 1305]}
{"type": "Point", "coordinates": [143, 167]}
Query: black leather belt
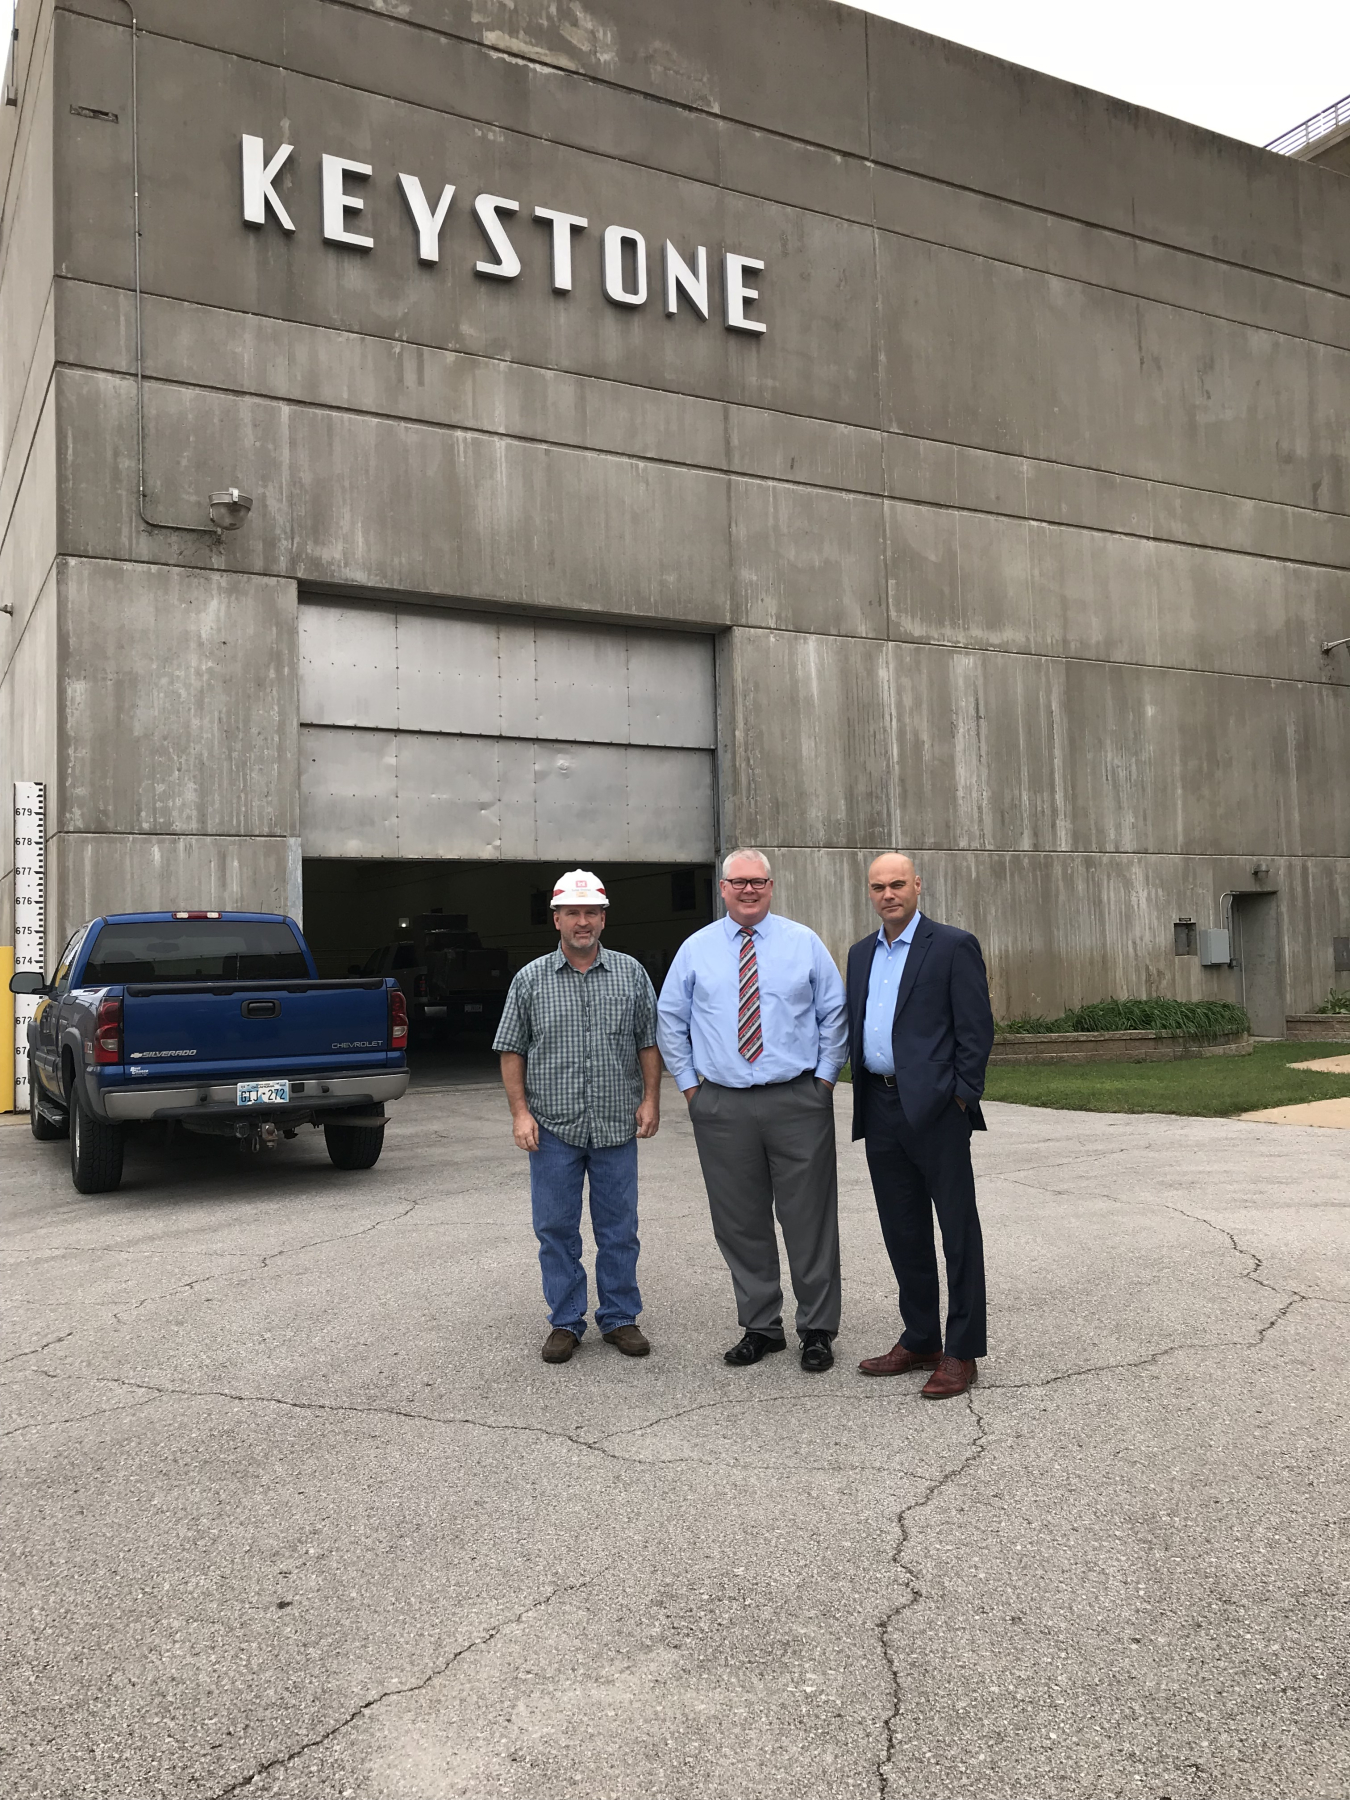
{"type": "Point", "coordinates": [885, 1080]}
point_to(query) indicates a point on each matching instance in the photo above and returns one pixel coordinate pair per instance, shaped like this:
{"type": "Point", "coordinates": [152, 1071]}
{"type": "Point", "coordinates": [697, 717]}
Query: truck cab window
{"type": "Point", "coordinates": [61, 979]}
{"type": "Point", "coordinates": [196, 950]}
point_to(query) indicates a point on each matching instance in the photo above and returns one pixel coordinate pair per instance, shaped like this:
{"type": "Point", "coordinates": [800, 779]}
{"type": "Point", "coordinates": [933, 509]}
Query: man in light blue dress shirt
{"type": "Point", "coordinates": [883, 988]}
{"type": "Point", "coordinates": [751, 1023]}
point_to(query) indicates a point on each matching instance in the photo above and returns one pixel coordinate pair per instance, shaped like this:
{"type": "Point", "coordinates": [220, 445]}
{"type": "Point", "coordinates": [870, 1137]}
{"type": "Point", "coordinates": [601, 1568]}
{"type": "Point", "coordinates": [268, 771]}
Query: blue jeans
{"type": "Point", "coordinates": [556, 1171]}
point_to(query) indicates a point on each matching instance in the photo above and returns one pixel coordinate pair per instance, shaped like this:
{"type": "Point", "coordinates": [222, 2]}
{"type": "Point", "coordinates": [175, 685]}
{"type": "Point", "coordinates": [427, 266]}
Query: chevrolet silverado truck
{"type": "Point", "coordinates": [216, 1022]}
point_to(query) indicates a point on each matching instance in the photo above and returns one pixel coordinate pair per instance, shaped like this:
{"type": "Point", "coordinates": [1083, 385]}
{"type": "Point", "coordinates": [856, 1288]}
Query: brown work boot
{"type": "Point", "coordinates": [559, 1345]}
{"type": "Point", "coordinates": [899, 1361]}
{"type": "Point", "coordinates": [628, 1339]}
{"type": "Point", "coordinates": [952, 1376]}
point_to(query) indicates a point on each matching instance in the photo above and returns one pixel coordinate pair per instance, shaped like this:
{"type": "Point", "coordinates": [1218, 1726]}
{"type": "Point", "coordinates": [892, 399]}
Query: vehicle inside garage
{"type": "Point", "coordinates": [454, 933]}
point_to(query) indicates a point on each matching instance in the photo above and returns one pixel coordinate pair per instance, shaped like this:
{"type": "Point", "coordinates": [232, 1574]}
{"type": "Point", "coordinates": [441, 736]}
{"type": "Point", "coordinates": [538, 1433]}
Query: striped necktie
{"type": "Point", "coordinates": [749, 1040]}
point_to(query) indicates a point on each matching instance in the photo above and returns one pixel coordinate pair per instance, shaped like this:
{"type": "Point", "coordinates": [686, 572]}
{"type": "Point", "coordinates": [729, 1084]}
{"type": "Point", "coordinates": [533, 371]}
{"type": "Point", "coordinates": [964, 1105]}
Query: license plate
{"type": "Point", "coordinates": [262, 1093]}
{"type": "Point", "coordinates": [470, 1007]}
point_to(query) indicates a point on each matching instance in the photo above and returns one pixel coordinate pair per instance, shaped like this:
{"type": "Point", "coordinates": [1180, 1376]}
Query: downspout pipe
{"type": "Point", "coordinates": [208, 531]}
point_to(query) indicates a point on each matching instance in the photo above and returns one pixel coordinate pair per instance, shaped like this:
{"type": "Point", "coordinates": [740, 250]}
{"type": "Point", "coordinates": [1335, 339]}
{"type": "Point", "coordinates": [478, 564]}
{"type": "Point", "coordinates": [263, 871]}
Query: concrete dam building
{"type": "Point", "coordinates": [667, 427]}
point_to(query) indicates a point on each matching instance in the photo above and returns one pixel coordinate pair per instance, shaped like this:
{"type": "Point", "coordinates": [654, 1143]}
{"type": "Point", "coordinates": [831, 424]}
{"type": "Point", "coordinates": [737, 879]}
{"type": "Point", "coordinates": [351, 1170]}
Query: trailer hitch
{"type": "Point", "coordinates": [257, 1137]}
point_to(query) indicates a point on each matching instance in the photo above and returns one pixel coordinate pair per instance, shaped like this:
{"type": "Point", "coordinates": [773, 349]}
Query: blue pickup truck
{"type": "Point", "coordinates": [217, 1021]}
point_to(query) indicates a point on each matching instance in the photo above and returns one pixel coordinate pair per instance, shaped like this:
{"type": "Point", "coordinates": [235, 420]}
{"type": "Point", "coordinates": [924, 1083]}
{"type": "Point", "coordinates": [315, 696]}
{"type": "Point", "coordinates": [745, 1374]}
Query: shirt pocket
{"type": "Point", "coordinates": [612, 1016]}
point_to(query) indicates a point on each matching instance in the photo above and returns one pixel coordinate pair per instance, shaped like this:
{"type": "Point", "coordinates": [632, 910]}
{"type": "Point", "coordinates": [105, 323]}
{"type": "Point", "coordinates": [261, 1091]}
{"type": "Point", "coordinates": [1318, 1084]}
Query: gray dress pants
{"type": "Point", "coordinates": [764, 1149]}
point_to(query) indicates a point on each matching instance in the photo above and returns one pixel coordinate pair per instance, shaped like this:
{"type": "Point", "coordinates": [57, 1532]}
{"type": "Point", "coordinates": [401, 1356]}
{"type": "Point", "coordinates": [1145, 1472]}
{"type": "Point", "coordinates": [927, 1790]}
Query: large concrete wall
{"type": "Point", "coordinates": [28, 441]}
{"type": "Point", "coordinates": [1022, 526]}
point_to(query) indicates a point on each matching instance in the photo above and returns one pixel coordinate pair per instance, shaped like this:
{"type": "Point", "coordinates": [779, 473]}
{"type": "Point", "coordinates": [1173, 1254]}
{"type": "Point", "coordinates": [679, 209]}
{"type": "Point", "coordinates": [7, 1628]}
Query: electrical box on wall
{"type": "Point", "coordinates": [1214, 948]}
{"type": "Point", "coordinates": [1340, 948]}
{"type": "Point", "coordinates": [1183, 937]}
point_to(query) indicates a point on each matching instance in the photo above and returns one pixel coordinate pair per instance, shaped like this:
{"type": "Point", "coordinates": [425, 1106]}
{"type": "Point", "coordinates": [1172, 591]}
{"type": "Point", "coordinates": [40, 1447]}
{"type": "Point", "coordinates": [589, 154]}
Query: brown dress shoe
{"type": "Point", "coordinates": [899, 1361]}
{"type": "Point", "coordinates": [628, 1339]}
{"type": "Point", "coordinates": [952, 1376]}
{"type": "Point", "coordinates": [559, 1345]}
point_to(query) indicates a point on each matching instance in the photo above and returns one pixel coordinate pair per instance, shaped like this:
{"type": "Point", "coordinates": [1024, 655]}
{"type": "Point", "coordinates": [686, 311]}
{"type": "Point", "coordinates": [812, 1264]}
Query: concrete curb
{"type": "Point", "coordinates": [1109, 1046]}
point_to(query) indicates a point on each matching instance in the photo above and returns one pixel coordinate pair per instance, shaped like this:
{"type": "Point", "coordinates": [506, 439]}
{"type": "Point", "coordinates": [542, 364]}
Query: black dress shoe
{"type": "Point", "coordinates": [752, 1346]}
{"type": "Point", "coordinates": [817, 1355]}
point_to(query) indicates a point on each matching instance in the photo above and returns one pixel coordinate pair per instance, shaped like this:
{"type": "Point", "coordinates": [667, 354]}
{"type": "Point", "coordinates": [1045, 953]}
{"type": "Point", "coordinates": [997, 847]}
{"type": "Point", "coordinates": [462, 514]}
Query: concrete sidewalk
{"type": "Point", "coordinates": [290, 1495]}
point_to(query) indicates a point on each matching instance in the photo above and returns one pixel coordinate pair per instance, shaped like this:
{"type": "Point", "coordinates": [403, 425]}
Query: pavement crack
{"type": "Point", "coordinates": [744, 1400]}
{"type": "Point", "coordinates": [18, 1355]}
{"type": "Point", "coordinates": [914, 1591]}
{"type": "Point", "coordinates": [1140, 1362]}
{"type": "Point", "coordinates": [1290, 1296]}
{"type": "Point", "coordinates": [98, 1412]}
{"type": "Point", "coordinates": [392, 1693]}
{"type": "Point", "coordinates": [352, 1409]}
{"type": "Point", "coordinates": [263, 1262]}
{"type": "Point", "coordinates": [342, 1237]}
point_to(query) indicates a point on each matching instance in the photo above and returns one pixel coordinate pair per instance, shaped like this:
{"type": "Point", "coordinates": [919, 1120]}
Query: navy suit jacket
{"type": "Point", "coordinates": [943, 1029]}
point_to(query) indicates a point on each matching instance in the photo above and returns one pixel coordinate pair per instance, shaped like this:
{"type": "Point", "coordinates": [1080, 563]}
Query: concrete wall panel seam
{"type": "Point", "coordinates": [33, 95]}
{"type": "Point", "coordinates": [647, 459]}
{"type": "Point", "coordinates": [48, 398]}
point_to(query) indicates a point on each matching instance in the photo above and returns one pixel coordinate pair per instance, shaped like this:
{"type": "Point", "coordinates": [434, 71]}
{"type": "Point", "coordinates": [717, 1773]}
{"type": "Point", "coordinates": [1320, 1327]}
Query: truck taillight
{"type": "Point", "coordinates": [398, 1020]}
{"type": "Point", "coordinates": [108, 1032]}
{"type": "Point", "coordinates": [420, 986]}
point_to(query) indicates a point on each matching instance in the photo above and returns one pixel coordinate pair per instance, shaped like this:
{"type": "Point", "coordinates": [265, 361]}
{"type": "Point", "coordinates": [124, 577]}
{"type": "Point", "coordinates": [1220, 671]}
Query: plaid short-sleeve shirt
{"type": "Point", "coordinates": [580, 1036]}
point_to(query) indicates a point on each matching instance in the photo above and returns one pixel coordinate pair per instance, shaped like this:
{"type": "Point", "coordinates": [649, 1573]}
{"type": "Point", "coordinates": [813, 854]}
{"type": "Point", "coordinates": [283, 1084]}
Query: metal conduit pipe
{"type": "Point", "coordinates": [210, 531]}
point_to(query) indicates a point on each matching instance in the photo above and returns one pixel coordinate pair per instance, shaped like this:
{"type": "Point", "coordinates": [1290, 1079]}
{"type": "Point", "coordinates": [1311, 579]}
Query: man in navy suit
{"type": "Point", "coordinates": [920, 1033]}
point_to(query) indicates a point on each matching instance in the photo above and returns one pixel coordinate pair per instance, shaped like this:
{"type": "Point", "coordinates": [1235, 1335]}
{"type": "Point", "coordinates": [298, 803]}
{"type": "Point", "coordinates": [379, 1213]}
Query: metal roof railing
{"type": "Point", "coordinates": [1321, 125]}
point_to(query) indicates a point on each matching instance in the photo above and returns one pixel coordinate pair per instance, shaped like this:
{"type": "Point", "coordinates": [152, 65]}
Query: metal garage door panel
{"type": "Point", "coordinates": [347, 789]}
{"type": "Point", "coordinates": [581, 801]}
{"type": "Point", "coordinates": [634, 804]}
{"type": "Point", "coordinates": [581, 685]}
{"type": "Point", "coordinates": [671, 816]}
{"type": "Point", "coordinates": [449, 676]}
{"type": "Point", "coordinates": [503, 738]}
{"type": "Point", "coordinates": [449, 796]}
{"type": "Point", "coordinates": [670, 690]}
{"type": "Point", "coordinates": [348, 666]}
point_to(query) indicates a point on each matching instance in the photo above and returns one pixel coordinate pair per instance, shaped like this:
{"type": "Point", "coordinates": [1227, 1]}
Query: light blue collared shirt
{"type": "Point", "coordinates": [883, 989]}
{"type": "Point", "coordinates": [801, 1006]}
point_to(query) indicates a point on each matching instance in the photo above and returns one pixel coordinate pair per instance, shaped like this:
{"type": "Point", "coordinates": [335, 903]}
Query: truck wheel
{"type": "Point", "coordinates": [95, 1151]}
{"type": "Point", "coordinates": [354, 1146]}
{"type": "Point", "coordinates": [42, 1128]}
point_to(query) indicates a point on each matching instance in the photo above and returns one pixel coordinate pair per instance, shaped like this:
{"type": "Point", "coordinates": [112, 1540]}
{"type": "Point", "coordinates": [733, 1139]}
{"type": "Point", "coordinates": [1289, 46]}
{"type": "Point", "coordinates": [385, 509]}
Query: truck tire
{"type": "Point", "coordinates": [42, 1128]}
{"type": "Point", "coordinates": [95, 1151]}
{"type": "Point", "coordinates": [354, 1146]}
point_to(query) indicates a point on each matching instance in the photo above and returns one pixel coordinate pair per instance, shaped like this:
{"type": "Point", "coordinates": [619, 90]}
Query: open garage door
{"type": "Point", "coordinates": [434, 734]}
{"type": "Point", "coordinates": [452, 934]}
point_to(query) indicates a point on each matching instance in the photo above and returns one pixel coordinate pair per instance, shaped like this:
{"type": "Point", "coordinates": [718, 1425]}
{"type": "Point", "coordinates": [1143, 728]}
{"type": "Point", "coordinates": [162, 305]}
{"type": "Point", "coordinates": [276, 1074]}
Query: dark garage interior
{"type": "Point", "coordinates": [453, 933]}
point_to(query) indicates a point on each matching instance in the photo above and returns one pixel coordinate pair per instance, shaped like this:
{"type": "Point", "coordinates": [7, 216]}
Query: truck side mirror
{"type": "Point", "coordinates": [28, 981]}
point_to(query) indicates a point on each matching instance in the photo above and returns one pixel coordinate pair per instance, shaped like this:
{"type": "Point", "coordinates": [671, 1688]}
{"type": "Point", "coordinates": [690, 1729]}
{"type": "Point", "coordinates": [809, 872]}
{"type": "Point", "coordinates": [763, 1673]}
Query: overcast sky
{"type": "Point", "coordinates": [1251, 70]}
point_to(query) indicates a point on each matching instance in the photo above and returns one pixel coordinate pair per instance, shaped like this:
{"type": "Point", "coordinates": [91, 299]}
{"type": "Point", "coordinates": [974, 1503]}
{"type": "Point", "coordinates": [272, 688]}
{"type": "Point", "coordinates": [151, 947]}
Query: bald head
{"type": "Point", "coordinates": [893, 887]}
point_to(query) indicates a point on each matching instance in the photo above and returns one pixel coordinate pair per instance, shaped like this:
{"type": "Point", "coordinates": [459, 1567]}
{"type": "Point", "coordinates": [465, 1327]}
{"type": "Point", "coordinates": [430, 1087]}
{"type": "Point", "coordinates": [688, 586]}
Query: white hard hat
{"type": "Point", "coordinates": [578, 887]}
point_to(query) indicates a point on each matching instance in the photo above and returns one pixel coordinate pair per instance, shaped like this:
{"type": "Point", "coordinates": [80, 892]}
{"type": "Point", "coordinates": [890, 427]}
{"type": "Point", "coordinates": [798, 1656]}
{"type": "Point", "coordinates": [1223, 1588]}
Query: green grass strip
{"type": "Point", "coordinates": [1200, 1087]}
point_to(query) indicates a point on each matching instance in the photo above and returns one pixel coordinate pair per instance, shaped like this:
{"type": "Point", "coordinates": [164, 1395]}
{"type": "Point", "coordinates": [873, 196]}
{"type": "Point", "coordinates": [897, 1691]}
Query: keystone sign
{"type": "Point", "coordinates": [623, 263]}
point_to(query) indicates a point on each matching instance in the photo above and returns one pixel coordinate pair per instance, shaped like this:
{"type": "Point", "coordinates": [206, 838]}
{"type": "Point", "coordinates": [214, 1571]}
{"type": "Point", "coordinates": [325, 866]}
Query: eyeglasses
{"type": "Point", "coordinates": [755, 883]}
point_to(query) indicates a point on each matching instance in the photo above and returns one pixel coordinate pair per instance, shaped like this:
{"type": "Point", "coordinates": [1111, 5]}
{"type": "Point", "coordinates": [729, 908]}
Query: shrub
{"type": "Point", "coordinates": [1202, 1020]}
{"type": "Point", "coordinates": [1337, 1001]}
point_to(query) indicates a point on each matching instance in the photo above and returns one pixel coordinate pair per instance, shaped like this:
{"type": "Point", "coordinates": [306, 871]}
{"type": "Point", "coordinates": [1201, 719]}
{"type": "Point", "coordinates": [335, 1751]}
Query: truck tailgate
{"type": "Point", "coordinates": [221, 1027]}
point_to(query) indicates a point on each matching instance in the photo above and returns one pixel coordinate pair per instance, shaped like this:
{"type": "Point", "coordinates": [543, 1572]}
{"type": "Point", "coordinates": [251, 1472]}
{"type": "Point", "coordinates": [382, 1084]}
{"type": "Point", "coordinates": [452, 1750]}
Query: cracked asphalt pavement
{"type": "Point", "coordinates": [292, 1507]}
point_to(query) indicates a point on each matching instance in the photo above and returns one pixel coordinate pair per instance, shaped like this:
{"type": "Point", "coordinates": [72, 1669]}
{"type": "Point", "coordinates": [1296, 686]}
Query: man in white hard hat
{"type": "Point", "coordinates": [583, 1077]}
